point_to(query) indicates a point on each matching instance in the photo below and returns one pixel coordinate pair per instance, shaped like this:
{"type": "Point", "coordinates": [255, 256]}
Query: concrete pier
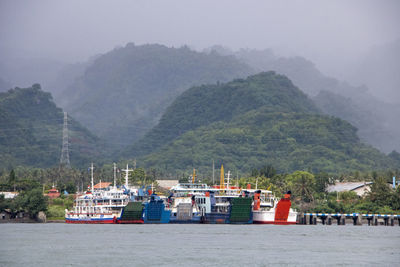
{"type": "Point", "coordinates": [354, 218]}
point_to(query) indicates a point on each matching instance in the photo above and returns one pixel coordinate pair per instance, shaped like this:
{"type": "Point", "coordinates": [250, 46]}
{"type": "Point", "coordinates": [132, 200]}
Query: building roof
{"type": "Point", "coordinates": [9, 194]}
{"type": "Point", "coordinates": [348, 186]}
{"type": "Point", "coordinates": [102, 185]}
{"type": "Point", "coordinates": [167, 183]}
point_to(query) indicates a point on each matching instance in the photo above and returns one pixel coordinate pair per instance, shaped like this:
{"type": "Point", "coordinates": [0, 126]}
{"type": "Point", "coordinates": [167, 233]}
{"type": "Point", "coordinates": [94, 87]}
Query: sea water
{"type": "Point", "coordinates": [198, 245]}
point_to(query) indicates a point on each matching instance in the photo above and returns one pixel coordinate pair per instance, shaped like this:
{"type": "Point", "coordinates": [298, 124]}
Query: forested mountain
{"type": "Point", "coordinates": [123, 93]}
{"type": "Point", "coordinates": [361, 115]}
{"type": "Point", "coordinates": [31, 131]}
{"type": "Point", "coordinates": [375, 119]}
{"type": "Point", "coordinates": [248, 123]}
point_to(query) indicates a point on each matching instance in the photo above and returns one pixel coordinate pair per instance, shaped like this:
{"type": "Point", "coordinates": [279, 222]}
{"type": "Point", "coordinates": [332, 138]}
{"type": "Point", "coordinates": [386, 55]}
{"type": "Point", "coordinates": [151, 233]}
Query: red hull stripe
{"type": "Point", "coordinates": [280, 223]}
{"type": "Point", "coordinates": [90, 222]}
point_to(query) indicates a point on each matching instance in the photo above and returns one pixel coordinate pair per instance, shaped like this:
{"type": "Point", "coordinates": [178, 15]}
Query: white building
{"type": "Point", "coordinates": [9, 194]}
{"type": "Point", "coordinates": [360, 188]}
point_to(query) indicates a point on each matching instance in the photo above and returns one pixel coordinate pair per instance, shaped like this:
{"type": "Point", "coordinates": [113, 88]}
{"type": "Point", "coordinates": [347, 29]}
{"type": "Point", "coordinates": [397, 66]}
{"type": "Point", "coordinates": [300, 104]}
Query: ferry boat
{"type": "Point", "coordinates": [195, 202]}
{"type": "Point", "coordinates": [183, 203]}
{"type": "Point", "coordinates": [105, 205]}
{"type": "Point", "coordinates": [268, 210]}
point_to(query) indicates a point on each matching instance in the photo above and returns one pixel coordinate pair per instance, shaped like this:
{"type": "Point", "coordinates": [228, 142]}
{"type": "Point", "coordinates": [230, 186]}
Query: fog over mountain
{"type": "Point", "coordinates": [333, 34]}
{"type": "Point", "coordinates": [352, 47]}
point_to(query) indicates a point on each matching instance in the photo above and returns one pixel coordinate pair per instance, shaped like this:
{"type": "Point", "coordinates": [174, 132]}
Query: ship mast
{"type": "Point", "coordinates": [127, 170]}
{"type": "Point", "coordinates": [222, 178]}
{"type": "Point", "coordinates": [91, 175]}
{"type": "Point", "coordinates": [115, 175]}
{"type": "Point", "coordinates": [228, 179]}
{"type": "Point", "coordinates": [193, 176]}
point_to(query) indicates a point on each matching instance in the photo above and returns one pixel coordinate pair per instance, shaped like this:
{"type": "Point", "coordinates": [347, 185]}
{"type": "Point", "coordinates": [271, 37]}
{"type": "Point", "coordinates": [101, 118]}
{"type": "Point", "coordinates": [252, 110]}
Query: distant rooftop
{"type": "Point", "coordinates": [167, 184]}
{"type": "Point", "coordinates": [348, 186]}
{"type": "Point", "coordinates": [102, 185]}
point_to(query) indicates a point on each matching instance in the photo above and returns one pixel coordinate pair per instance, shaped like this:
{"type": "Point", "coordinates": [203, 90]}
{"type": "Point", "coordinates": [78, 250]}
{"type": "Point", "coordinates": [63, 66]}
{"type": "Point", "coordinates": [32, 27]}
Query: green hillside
{"type": "Point", "coordinates": [124, 92]}
{"type": "Point", "coordinates": [249, 123]}
{"type": "Point", "coordinates": [206, 104]}
{"type": "Point", "coordinates": [31, 131]}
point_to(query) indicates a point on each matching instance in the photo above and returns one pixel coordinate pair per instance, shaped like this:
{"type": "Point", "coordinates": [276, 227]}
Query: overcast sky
{"type": "Point", "coordinates": [327, 32]}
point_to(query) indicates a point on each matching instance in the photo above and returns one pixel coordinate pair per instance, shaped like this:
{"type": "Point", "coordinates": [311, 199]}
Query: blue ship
{"type": "Point", "coordinates": [155, 212]}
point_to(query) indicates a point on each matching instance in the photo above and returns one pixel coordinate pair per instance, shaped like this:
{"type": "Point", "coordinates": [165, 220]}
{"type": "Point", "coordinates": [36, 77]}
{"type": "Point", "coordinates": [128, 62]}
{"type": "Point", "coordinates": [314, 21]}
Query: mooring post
{"type": "Point", "coordinates": [329, 219]}
{"type": "Point", "coordinates": [360, 219]}
{"type": "Point", "coordinates": [355, 218]}
{"type": "Point", "coordinates": [369, 220]}
{"type": "Point", "coordinates": [338, 219]}
{"type": "Point", "coordinates": [299, 218]}
{"type": "Point", "coordinates": [323, 218]}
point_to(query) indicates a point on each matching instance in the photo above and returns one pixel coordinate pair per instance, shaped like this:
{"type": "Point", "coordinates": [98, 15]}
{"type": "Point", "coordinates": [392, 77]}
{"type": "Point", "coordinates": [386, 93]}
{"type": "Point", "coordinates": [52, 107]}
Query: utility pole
{"type": "Point", "coordinates": [64, 160]}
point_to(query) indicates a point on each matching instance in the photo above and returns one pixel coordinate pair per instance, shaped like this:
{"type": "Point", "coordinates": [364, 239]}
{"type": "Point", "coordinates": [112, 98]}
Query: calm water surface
{"type": "Point", "coordinates": [197, 245]}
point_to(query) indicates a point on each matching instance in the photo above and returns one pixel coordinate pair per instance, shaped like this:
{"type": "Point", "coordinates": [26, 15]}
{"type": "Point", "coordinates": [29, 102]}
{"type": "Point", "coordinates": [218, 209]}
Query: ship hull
{"type": "Point", "coordinates": [268, 217]}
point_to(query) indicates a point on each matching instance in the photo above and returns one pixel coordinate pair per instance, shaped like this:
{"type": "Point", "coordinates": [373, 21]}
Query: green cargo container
{"type": "Point", "coordinates": [132, 212]}
{"type": "Point", "coordinates": [241, 210]}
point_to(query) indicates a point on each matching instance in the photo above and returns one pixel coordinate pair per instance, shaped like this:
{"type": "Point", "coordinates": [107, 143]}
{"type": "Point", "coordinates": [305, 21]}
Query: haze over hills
{"type": "Point", "coordinates": [123, 93]}
{"type": "Point", "coordinates": [375, 119]}
{"type": "Point", "coordinates": [31, 131]}
{"type": "Point", "coordinates": [379, 70]}
{"type": "Point", "coordinates": [249, 123]}
{"type": "Point", "coordinates": [4, 86]}
{"type": "Point", "coordinates": [23, 72]}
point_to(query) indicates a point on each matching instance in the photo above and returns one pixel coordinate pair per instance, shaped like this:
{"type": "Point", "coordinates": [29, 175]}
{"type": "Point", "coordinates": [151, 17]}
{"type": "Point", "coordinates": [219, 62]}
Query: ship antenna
{"type": "Point", "coordinates": [213, 172]}
{"type": "Point", "coordinates": [115, 175]}
{"type": "Point", "coordinates": [227, 183]}
{"type": "Point", "coordinates": [222, 178]}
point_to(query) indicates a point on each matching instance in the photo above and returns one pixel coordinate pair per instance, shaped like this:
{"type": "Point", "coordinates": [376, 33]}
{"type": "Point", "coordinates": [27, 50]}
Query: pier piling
{"type": "Point", "coordinates": [329, 220]}
{"type": "Point", "coordinates": [308, 219]}
{"type": "Point", "coordinates": [360, 219]}
{"type": "Point", "coordinates": [355, 219]}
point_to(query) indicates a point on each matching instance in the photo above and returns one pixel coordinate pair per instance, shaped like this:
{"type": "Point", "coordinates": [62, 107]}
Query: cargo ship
{"type": "Point", "coordinates": [155, 211]}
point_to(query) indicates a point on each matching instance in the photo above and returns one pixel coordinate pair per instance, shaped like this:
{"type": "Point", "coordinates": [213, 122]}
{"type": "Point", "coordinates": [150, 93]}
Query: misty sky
{"type": "Point", "coordinates": [328, 32]}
